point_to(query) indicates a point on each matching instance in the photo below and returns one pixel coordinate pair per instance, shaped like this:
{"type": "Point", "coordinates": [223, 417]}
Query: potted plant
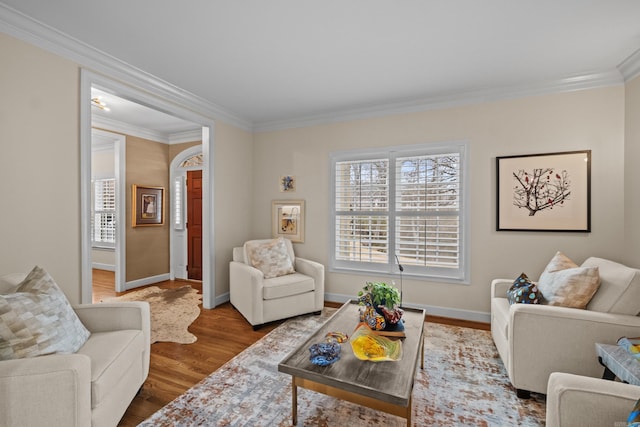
{"type": "Point", "coordinates": [382, 294]}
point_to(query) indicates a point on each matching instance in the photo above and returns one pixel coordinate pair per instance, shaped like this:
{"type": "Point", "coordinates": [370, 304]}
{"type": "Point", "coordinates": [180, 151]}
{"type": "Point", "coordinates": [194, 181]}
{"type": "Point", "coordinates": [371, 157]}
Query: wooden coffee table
{"type": "Point", "coordinates": [384, 386]}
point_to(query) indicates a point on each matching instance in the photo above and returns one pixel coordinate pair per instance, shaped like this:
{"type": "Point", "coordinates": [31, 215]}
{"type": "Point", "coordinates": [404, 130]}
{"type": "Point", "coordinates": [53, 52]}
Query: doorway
{"type": "Point", "coordinates": [194, 225]}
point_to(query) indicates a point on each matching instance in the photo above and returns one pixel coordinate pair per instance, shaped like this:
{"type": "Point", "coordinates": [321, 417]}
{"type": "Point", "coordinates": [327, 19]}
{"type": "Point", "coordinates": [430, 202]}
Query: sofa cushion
{"type": "Point", "coordinates": [9, 282]}
{"type": "Point", "coordinates": [271, 257]}
{"type": "Point", "coordinates": [565, 284]}
{"type": "Point", "coordinates": [285, 286]}
{"type": "Point", "coordinates": [37, 319]}
{"type": "Point", "coordinates": [619, 289]}
{"type": "Point", "coordinates": [111, 354]}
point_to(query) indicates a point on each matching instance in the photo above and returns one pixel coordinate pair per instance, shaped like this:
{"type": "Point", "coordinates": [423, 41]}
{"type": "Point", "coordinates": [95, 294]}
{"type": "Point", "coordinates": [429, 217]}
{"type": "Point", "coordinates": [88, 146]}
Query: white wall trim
{"type": "Point", "coordinates": [186, 136]}
{"type": "Point", "coordinates": [128, 129]}
{"type": "Point", "coordinates": [453, 313]}
{"type": "Point", "coordinates": [221, 299]}
{"type": "Point", "coordinates": [101, 266]}
{"type": "Point", "coordinates": [450, 100]}
{"type": "Point", "coordinates": [35, 32]}
{"type": "Point", "coordinates": [630, 67]}
{"type": "Point", "coordinates": [146, 281]}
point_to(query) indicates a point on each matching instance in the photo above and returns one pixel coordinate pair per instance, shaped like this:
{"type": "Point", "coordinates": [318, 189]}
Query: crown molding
{"type": "Point", "coordinates": [450, 100]}
{"type": "Point", "coordinates": [27, 29]}
{"type": "Point", "coordinates": [106, 123]}
{"type": "Point", "coordinates": [186, 136]}
{"type": "Point", "coordinates": [630, 67]}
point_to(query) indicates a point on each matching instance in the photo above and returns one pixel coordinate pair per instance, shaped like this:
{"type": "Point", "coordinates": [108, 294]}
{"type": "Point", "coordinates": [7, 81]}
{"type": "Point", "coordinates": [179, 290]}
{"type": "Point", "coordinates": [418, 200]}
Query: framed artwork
{"type": "Point", "coordinates": [287, 219]}
{"type": "Point", "coordinates": [287, 183]}
{"type": "Point", "coordinates": [147, 206]}
{"type": "Point", "coordinates": [544, 192]}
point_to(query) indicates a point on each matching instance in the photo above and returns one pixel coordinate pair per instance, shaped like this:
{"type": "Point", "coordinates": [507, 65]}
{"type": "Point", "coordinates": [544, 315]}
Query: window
{"type": "Point", "coordinates": [104, 213]}
{"type": "Point", "coordinates": [401, 204]}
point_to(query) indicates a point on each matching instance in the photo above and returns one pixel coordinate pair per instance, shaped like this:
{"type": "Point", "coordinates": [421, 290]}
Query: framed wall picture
{"type": "Point", "coordinates": [287, 219]}
{"type": "Point", "coordinates": [147, 206]}
{"type": "Point", "coordinates": [287, 184]}
{"type": "Point", "coordinates": [544, 192]}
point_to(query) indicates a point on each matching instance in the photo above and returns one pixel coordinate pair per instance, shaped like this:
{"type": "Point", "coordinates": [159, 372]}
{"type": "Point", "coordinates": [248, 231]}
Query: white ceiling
{"type": "Point", "coordinates": [278, 61]}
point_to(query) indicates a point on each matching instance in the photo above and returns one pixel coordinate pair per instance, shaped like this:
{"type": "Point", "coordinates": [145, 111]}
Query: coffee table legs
{"type": "Point", "coordinates": [294, 401]}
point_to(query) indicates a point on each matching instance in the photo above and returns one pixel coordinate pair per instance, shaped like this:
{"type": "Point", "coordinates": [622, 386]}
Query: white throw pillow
{"type": "Point", "coordinates": [37, 319]}
{"type": "Point", "coordinates": [565, 284]}
{"type": "Point", "coordinates": [270, 257]}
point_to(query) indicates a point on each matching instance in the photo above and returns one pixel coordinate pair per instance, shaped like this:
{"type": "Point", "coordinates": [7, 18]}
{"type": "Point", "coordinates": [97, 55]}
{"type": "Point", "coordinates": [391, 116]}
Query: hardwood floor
{"type": "Point", "coordinates": [222, 334]}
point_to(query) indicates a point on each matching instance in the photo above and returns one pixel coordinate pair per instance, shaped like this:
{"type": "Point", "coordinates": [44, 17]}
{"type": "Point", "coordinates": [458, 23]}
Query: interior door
{"type": "Point", "coordinates": [194, 224]}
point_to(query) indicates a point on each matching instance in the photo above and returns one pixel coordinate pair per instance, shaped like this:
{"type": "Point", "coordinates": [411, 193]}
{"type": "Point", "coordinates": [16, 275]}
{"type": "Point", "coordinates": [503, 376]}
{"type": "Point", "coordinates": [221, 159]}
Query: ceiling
{"type": "Point", "coordinates": [271, 62]}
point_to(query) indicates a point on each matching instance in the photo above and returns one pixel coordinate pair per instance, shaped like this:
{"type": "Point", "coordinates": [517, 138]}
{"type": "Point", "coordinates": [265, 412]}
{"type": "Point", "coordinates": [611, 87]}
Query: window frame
{"type": "Point", "coordinates": [102, 244]}
{"type": "Point", "coordinates": [390, 268]}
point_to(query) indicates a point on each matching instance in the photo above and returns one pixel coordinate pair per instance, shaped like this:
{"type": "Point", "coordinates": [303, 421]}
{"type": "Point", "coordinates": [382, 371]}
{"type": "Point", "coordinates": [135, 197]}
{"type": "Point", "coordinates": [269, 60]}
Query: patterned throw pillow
{"type": "Point", "coordinates": [523, 291]}
{"type": "Point", "coordinates": [272, 257]}
{"type": "Point", "coordinates": [564, 283]}
{"type": "Point", "coordinates": [37, 319]}
{"type": "Point", "coordinates": [634, 416]}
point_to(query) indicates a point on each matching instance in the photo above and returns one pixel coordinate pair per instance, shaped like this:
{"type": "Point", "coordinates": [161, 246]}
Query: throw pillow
{"type": "Point", "coordinates": [271, 257]}
{"type": "Point", "coordinates": [565, 284]}
{"type": "Point", "coordinates": [523, 291]}
{"type": "Point", "coordinates": [37, 319]}
{"type": "Point", "coordinates": [634, 416]}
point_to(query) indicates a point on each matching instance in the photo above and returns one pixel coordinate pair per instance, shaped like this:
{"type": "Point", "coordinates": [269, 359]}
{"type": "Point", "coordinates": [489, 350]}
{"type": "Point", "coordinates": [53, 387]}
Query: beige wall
{"type": "Point", "coordinates": [40, 164]}
{"type": "Point", "coordinates": [632, 172]}
{"type": "Point", "coordinates": [590, 119]}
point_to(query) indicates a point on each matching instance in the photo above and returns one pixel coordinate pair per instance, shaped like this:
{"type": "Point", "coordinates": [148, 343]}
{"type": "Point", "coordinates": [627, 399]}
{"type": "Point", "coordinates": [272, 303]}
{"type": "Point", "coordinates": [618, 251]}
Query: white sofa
{"type": "Point", "coordinates": [262, 300]}
{"type": "Point", "coordinates": [534, 340]}
{"type": "Point", "coordinates": [574, 400]}
{"type": "Point", "coordinates": [92, 387]}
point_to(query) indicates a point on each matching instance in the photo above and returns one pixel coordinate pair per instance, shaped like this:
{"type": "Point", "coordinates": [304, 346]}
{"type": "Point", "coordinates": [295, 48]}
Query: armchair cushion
{"type": "Point", "coordinates": [284, 286]}
{"type": "Point", "coordinates": [271, 257]}
{"type": "Point", "coordinates": [619, 289]}
{"type": "Point", "coordinates": [37, 319]}
{"type": "Point", "coordinates": [564, 283]}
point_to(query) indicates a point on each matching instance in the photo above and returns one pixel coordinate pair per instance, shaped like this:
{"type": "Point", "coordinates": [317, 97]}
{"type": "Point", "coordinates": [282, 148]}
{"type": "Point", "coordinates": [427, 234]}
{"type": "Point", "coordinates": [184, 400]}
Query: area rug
{"type": "Point", "coordinates": [463, 383]}
{"type": "Point", "coordinates": [172, 311]}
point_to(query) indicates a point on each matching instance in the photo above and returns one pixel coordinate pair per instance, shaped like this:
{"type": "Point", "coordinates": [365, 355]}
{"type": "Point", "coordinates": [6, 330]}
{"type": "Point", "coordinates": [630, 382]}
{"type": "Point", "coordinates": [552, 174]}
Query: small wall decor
{"type": "Point", "coordinates": [287, 218]}
{"type": "Point", "coordinates": [544, 192]}
{"type": "Point", "coordinates": [287, 183]}
{"type": "Point", "coordinates": [147, 206]}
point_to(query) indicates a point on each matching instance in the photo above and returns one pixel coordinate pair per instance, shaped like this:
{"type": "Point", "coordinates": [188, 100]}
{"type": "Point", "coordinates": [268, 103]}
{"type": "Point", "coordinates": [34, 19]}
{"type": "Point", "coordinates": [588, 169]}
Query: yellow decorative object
{"type": "Point", "coordinates": [367, 345]}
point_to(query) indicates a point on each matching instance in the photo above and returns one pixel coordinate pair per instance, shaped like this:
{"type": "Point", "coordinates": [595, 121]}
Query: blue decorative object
{"type": "Point", "coordinates": [325, 353]}
{"type": "Point", "coordinates": [523, 291]}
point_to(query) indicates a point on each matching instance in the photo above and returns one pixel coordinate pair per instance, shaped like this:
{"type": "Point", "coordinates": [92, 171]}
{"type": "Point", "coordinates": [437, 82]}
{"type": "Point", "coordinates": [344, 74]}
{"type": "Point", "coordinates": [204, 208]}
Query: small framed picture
{"type": "Point", "coordinates": [287, 217]}
{"type": "Point", "coordinates": [287, 184]}
{"type": "Point", "coordinates": [147, 206]}
{"type": "Point", "coordinates": [544, 192]}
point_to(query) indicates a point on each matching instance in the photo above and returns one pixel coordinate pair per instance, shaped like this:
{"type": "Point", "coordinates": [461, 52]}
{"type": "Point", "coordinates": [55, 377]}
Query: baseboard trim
{"type": "Point", "coordinates": [221, 299]}
{"type": "Point", "coordinates": [100, 266]}
{"type": "Point", "coordinates": [454, 313]}
{"type": "Point", "coordinates": [146, 281]}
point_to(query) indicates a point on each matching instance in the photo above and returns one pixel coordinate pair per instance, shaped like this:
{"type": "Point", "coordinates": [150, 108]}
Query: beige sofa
{"type": "Point", "coordinates": [92, 387]}
{"type": "Point", "coordinates": [535, 340]}
{"type": "Point", "coordinates": [262, 300]}
{"type": "Point", "coordinates": [574, 400]}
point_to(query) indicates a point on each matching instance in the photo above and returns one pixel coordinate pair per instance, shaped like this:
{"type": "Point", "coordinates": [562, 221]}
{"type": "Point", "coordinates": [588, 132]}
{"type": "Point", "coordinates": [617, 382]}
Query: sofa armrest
{"type": "Point", "coordinates": [52, 390]}
{"type": "Point", "coordinates": [574, 400]}
{"type": "Point", "coordinates": [245, 291]}
{"type": "Point", "coordinates": [499, 287]}
{"type": "Point", "coordinates": [553, 338]}
{"type": "Point", "coordinates": [316, 270]}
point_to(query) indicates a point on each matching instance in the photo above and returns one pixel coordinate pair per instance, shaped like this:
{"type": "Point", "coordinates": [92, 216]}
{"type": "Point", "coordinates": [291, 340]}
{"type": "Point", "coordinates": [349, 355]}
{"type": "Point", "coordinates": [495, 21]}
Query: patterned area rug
{"type": "Point", "coordinates": [464, 383]}
{"type": "Point", "coordinates": [172, 311]}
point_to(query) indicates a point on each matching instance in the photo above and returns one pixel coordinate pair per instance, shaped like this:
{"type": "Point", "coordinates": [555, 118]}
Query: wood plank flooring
{"type": "Point", "coordinates": [222, 334]}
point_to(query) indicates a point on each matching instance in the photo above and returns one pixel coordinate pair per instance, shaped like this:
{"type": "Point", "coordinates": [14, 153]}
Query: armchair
{"type": "Point", "coordinates": [574, 400]}
{"type": "Point", "coordinates": [535, 340]}
{"type": "Point", "coordinates": [92, 387]}
{"type": "Point", "coordinates": [261, 300]}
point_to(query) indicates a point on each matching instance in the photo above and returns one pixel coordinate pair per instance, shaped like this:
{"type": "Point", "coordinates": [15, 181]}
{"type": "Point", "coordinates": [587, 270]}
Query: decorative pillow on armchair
{"type": "Point", "coordinates": [37, 319]}
{"type": "Point", "coordinates": [564, 283]}
{"type": "Point", "coordinates": [271, 257]}
{"type": "Point", "coordinates": [523, 291]}
{"type": "Point", "coordinates": [634, 416]}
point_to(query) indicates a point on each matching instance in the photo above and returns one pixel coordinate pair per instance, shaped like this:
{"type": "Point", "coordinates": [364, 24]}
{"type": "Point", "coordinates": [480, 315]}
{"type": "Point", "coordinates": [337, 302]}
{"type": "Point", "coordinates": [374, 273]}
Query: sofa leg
{"type": "Point", "coordinates": [256, 327]}
{"type": "Point", "coordinates": [317, 313]}
{"type": "Point", "coordinates": [523, 394]}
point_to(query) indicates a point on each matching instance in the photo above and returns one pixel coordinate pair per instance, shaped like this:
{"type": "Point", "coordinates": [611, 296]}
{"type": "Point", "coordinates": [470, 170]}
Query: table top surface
{"type": "Point", "coordinates": [620, 362]}
{"type": "Point", "coordinates": [388, 381]}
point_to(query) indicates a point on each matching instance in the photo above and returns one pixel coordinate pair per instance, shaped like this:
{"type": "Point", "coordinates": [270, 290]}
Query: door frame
{"type": "Point", "coordinates": [135, 93]}
{"type": "Point", "coordinates": [178, 238]}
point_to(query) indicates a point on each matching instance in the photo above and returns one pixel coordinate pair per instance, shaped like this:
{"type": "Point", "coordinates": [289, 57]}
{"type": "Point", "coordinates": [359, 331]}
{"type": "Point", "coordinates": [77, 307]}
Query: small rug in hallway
{"type": "Point", "coordinates": [172, 311]}
{"type": "Point", "coordinates": [463, 384]}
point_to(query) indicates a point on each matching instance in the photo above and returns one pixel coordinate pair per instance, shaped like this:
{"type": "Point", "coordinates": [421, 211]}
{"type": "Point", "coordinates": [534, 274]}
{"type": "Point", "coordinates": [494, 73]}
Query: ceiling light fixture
{"type": "Point", "coordinates": [97, 102]}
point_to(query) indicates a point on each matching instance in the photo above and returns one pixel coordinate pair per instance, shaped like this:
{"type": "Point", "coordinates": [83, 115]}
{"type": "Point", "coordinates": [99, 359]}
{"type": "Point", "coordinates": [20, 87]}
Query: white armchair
{"type": "Point", "coordinates": [92, 387]}
{"type": "Point", "coordinates": [261, 300]}
{"type": "Point", "coordinates": [574, 400]}
{"type": "Point", "coordinates": [535, 340]}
